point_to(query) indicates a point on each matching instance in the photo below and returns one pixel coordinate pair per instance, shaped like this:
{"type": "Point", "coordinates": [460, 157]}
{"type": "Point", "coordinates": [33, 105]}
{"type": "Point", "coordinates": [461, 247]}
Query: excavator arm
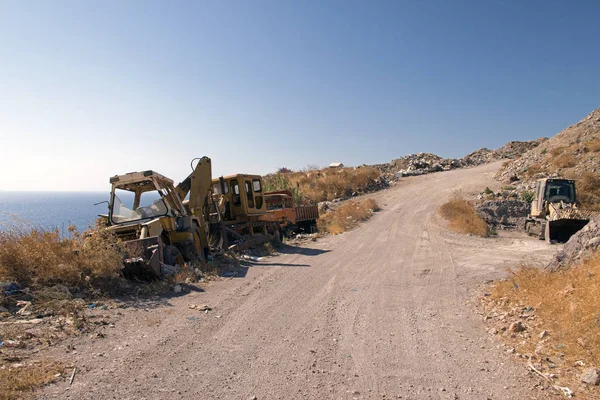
{"type": "Point", "coordinates": [198, 186]}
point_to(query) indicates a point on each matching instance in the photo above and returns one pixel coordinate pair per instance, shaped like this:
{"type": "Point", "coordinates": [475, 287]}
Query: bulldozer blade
{"type": "Point", "coordinates": [561, 230]}
{"type": "Point", "coordinates": [143, 259]}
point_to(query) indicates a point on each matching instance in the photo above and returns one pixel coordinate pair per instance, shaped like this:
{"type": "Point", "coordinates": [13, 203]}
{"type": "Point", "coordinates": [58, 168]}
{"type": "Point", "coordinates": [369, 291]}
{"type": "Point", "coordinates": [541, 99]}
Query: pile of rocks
{"type": "Point", "coordinates": [504, 214]}
{"type": "Point", "coordinates": [579, 248]}
{"type": "Point", "coordinates": [425, 163]}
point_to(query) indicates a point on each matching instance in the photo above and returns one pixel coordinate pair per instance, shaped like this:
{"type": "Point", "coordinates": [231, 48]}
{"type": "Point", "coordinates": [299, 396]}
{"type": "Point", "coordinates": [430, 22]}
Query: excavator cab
{"type": "Point", "coordinates": [553, 191]}
{"type": "Point", "coordinates": [159, 231]}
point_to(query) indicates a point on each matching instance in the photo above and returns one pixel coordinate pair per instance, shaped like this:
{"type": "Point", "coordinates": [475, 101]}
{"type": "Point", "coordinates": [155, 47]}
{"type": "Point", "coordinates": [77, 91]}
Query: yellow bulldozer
{"type": "Point", "coordinates": [554, 214]}
{"type": "Point", "coordinates": [162, 226]}
{"type": "Point", "coordinates": [239, 204]}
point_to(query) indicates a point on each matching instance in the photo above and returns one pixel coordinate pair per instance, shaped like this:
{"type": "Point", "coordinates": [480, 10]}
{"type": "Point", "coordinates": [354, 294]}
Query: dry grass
{"type": "Point", "coordinates": [563, 160]}
{"type": "Point", "coordinates": [462, 217]}
{"type": "Point", "coordinates": [588, 190]}
{"type": "Point", "coordinates": [557, 151]}
{"type": "Point", "coordinates": [566, 304]}
{"type": "Point", "coordinates": [20, 382]}
{"type": "Point", "coordinates": [347, 216]}
{"type": "Point", "coordinates": [592, 146]}
{"type": "Point", "coordinates": [312, 186]}
{"type": "Point", "coordinates": [40, 258]}
{"type": "Point", "coordinates": [533, 170]}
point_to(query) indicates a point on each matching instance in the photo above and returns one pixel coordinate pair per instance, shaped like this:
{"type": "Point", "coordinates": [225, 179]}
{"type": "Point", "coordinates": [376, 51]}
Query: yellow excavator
{"type": "Point", "coordinates": [554, 214]}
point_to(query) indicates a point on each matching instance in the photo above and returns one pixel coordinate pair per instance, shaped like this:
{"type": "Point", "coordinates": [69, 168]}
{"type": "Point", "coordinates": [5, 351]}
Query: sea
{"type": "Point", "coordinates": [51, 210]}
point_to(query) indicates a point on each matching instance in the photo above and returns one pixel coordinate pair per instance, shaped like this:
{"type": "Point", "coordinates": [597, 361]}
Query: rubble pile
{"type": "Point", "coordinates": [425, 163]}
{"type": "Point", "coordinates": [579, 247]}
{"type": "Point", "coordinates": [579, 142]}
{"type": "Point", "coordinates": [515, 148]}
{"type": "Point", "coordinates": [504, 214]}
{"type": "Point", "coordinates": [417, 164]}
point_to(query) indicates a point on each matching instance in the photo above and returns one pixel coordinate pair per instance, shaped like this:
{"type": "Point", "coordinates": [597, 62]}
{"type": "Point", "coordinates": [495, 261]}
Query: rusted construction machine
{"type": "Point", "coordinates": [554, 214]}
{"type": "Point", "coordinates": [160, 229]}
{"type": "Point", "coordinates": [289, 216]}
{"type": "Point", "coordinates": [239, 205]}
{"type": "Point", "coordinates": [158, 232]}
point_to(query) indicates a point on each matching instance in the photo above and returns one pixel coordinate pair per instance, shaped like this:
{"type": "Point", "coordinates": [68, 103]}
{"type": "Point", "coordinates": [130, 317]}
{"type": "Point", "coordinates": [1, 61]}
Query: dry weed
{"type": "Point", "coordinates": [312, 186]}
{"type": "Point", "coordinates": [20, 382]}
{"type": "Point", "coordinates": [533, 170]}
{"type": "Point", "coordinates": [592, 145]}
{"type": "Point", "coordinates": [40, 257]}
{"type": "Point", "coordinates": [588, 190]}
{"type": "Point", "coordinates": [557, 151]}
{"type": "Point", "coordinates": [562, 161]}
{"type": "Point", "coordinates": [462, 217]}
{"type": "Point", "coordinates": [347, 216]}
{"type": "Point", "coordinates": [566, 305]}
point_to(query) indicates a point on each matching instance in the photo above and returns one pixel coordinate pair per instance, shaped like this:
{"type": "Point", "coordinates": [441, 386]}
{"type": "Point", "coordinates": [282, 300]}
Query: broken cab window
{"type": "Point", "coordinates": [151, 205]}
{"type": "Point", "coordinates": [256, 185]}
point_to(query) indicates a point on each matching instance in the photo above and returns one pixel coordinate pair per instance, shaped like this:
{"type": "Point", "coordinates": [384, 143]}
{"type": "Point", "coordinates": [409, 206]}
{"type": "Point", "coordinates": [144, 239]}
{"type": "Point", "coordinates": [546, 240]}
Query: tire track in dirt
{"type": "Point", "coordinates": [378, 311]}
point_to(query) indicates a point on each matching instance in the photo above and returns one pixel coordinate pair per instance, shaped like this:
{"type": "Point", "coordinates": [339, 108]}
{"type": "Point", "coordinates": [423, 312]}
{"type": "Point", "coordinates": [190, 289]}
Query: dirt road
{"type": "Point", "coordinates": [378, 312]}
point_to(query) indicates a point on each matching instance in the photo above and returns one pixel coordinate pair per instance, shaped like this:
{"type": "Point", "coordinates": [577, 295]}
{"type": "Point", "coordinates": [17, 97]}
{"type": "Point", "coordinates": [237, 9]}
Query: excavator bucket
{"type": "Point", "coordinates": [144, 259]}
{"type": "Point", "coordinates": [561, 230]}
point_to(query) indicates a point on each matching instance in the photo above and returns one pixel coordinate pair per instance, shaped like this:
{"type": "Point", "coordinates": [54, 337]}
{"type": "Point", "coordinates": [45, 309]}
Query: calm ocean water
{"type": "Point", "coordinates": [51, 210]}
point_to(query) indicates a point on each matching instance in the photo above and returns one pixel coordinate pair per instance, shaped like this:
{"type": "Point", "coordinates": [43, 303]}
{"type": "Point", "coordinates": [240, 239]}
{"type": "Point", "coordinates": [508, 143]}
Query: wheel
{"type": "Point", "coordinates": [172, 256]}
{"type": "Point", "coordinates": [190, 249]}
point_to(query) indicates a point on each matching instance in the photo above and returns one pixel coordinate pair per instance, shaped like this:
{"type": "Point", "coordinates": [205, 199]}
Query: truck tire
{"type": "Point", "coordinates": [172, 256]}
{"type": "Point", "coordinates": [189, 252]}
{"type": "Point", "coordinates": [194, 250]}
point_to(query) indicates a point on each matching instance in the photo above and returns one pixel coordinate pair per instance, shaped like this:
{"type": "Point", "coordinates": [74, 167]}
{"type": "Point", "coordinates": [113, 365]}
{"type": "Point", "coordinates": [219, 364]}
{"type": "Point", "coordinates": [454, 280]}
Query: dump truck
{"type": "Point", "coordinates": [289, 216]}
{"type": "Point", "coordinates": [554, 214]}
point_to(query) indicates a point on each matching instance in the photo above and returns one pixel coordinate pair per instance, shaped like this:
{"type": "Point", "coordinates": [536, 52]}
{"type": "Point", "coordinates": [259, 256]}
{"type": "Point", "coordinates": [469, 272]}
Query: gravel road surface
{"type": "Point", "coordinates": [382, 312]}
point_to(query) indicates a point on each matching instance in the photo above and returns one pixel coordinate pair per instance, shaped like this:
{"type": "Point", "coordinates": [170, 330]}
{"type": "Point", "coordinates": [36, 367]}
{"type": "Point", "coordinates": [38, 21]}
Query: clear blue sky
{"type": "Point", "coordinates": [93, 89]}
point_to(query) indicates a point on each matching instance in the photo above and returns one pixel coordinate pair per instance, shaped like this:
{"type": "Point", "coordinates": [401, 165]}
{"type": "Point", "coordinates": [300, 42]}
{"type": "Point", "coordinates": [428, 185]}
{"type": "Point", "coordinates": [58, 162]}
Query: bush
{"type": "Point", "coordinates": [588, 190]}
{"type": "Point", "coordinates": [312, 186]}
{"type": "Point", "coordinates": [533, 169]}
{"type": "Point", "coordinates": [462, 217]}
{"type": "Point", "coordinates": [527, 196]}
{"type": "Point", "coordinates": [347, 216]}
{"type": "Point", "coordinates": [40, 257]}
{"type": "Point", "coordinates": [563, 161]}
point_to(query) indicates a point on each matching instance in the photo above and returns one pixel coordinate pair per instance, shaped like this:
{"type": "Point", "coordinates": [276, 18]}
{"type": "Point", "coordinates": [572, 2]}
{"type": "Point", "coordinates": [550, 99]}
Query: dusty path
{"type": "Point", "coordinates": [379, 312]}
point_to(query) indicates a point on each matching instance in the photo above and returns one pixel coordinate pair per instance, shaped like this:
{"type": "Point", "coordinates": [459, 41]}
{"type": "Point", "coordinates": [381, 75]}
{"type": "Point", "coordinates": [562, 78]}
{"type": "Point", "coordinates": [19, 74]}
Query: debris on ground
{"type": "Point", "coordinates": [202, 307]}
{"type": "Point", "coordinates": [591, 377]}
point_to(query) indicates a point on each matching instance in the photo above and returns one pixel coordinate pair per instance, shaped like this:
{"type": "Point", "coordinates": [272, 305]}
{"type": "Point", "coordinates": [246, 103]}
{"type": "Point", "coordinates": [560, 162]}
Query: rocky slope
{"type": "Point", "coordinates": [570, 153]}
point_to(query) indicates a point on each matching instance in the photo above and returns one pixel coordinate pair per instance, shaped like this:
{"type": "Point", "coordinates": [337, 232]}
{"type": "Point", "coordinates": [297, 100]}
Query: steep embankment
{"type": "Point", "coordinates": [573, 153]}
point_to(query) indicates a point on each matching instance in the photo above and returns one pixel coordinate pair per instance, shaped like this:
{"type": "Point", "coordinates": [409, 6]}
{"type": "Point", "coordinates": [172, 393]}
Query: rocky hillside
{"type": "Point", "coordinates": [573, 153]}
{"type": "Point", "coordinates": [575, 149]}
{"type": "Point", "coordinates": [424, 163]}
